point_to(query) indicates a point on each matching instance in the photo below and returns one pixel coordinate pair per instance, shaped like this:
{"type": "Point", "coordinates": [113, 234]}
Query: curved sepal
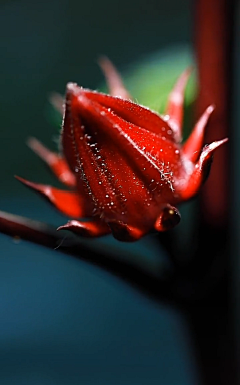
{"type": "Point", "coordinates": [55, 162]}
{"type": "Point", "coordinates": [113, 78]}
{"type": "Point", "coordinates": [123, 232]}
{"type": "Point", "coordinates": [175, 105]}
{"type": "Point", "coordinates": [193, 145]}
{"type": "Point", "coordinates": [201, 170]}
{"type": "Point", "coordinates": [91, 229]}
{"type": "Point", "coordinates": [68, 202]}
{"type": "Point", "coordinates": [57, 101]}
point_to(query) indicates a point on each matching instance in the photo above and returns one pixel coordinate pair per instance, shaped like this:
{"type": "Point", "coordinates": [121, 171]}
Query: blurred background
{"type": "Point", "coordinates": [63, 321]}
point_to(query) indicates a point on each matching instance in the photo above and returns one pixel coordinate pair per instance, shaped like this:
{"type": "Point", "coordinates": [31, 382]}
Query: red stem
{"type": "Point", "coordinates": [213, 36]}
{"type": "Point", "coordinates": [42, 234]}
{"type": "Point", "coordinates": [212, 323]}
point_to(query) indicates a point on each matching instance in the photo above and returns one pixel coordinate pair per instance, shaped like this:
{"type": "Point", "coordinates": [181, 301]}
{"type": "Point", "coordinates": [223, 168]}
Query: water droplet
{"type": "Point", "coordinates": [176, 151]}
{"type": "Point", "coordinates": [166, 118]}
{"type": "Point", "coordinates": [16, 239]}
{"type": "Point", "coordinates": [103, 113]}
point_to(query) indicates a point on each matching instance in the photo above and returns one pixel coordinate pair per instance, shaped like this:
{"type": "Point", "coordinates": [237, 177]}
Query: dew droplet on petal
{"type": "Point", "coordinates": [166, 118]}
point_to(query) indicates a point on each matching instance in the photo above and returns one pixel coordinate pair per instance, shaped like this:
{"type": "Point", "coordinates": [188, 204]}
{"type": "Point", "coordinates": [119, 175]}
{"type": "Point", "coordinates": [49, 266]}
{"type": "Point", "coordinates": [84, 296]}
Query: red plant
{"type": "Point", "coordinates": [125, 163]}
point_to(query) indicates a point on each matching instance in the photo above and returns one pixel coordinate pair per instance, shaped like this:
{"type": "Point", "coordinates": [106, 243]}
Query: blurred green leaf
{"type": "Point", "coordinates": [150, 81]}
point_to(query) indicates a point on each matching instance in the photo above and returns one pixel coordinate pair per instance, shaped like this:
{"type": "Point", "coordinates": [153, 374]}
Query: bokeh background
{"type": "Point", "coordinates": [63, 321]}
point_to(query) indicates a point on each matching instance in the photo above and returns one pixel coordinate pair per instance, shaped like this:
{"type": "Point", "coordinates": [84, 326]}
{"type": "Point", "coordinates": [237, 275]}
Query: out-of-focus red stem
{"type": "Point", "coordinates": [213, 33]}
{"type": "Point", "coordinates": [42, 234]}
{"type": "Point", "coordinates": [212, 323]}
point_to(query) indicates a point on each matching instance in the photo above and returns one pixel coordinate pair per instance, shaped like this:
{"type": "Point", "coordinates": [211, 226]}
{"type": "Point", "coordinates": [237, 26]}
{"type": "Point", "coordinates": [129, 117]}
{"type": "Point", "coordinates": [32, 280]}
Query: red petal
{"type": "Point", "coordinates": [129, 138]}
{"type": "Point", "coordinates": [123, 169]}
{"type": "Point", "coordinates": [129, 111]}
{"type": "Point", "coordinates": [81, 157]}
{"type": "Point", "coordinates": [68, 202]}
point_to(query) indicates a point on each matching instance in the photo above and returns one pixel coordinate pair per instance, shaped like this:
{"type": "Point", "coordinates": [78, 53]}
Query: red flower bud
{"type": "Point", "coordinates": [125, 163]}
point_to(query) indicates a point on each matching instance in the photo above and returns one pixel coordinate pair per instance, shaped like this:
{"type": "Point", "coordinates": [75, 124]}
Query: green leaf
{"type": "Point", "coordinates": [151, 79]}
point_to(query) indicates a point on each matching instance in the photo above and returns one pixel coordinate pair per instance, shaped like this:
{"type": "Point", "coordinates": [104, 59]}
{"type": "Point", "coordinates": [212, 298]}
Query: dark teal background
{"type": "Point", "coordinates": [63, 321]}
